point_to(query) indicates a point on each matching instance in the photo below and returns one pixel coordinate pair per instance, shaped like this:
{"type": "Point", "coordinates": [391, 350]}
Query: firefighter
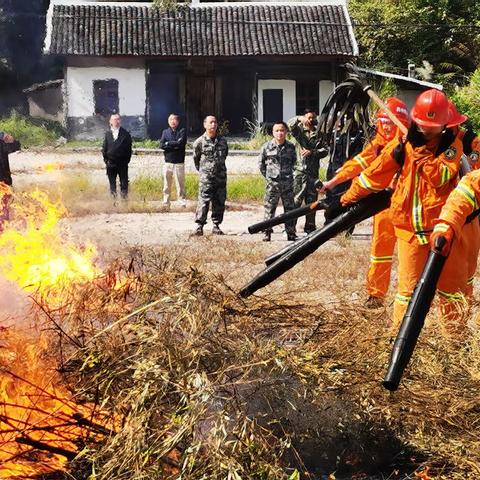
{"type": "Point", "coordinates": [383, 239]}
{"type": "Point", "coordinates": [470, 150]}
{"type": "Point", "coordinates": [425, 165]}
{"type": "Point", "coordinates": [452, 224]}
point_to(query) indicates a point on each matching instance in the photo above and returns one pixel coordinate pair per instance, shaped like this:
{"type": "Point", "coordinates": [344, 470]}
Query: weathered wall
{"type": "Point", "coordinates": [47, 103]}
{"type": "Point", "coordinates": [82, 122]}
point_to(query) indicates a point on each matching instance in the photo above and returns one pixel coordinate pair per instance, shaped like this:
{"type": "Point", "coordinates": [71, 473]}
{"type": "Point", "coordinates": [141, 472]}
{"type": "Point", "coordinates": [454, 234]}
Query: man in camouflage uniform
{"type": "Point", "coordinates": [209, 154]}
{"type": "Point", "coordinates": [277, 161]}
{"type": "Point", "coordinates": [303, 130]}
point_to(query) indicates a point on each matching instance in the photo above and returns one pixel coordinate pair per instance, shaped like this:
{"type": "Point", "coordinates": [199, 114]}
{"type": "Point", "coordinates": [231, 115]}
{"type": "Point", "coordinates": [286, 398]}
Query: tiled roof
{"type": "Point", "coordinates": [201, 31]}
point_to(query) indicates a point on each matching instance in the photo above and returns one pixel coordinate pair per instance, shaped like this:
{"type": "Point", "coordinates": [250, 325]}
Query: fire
{"type": "Point", "coordinates": [51, 167]}
{"type": "Point", "coordinates": [34, 254]}
{"type": "Point", "coordinates": [40, 424]}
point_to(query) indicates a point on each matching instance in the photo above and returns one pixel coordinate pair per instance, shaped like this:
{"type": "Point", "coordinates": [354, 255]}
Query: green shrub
{"type": "Point", "coordinates": [467, 99]}
{"type": "Point", "coordinates": [31, 131]}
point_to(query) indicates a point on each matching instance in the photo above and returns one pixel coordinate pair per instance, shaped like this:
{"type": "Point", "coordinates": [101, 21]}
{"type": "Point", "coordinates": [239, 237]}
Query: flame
{"type": "Point", "coordinates": [39, 426]}
{"type": "Point", "coordinates": [39, 423]}
{"type": "Point", "coordinates": [51, 167]}
{"type": "Point", "coordinates": [34, 254]}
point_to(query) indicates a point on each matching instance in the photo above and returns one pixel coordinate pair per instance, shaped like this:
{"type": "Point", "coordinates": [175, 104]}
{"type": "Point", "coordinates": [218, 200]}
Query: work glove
{"type": "Point", "coordinates": [441, 239]}
{"type": "Point", "coordinates": [398, 153]}
{"type": "Point", "coordinates": [415, 137]}
{"type": "Point", "coordinates": [467, 141]}
{"type": "Point", "coordinates": [335, 209]}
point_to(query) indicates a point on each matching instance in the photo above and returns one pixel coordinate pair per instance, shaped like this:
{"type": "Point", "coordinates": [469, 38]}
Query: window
{"type": "Point", "coordinates": [105, 93]}
{"type": "Point", "coordinates": [307, 95]}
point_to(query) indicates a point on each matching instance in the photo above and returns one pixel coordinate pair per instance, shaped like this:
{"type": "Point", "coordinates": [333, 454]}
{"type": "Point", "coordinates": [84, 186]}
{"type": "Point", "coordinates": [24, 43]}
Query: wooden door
{"type": "Point", "coordinates": [200, 101]}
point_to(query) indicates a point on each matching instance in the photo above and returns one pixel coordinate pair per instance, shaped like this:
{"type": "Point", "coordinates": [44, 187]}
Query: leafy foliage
{"type": "Point", "coordinates": [467, 99]}
{"type": "Point", "coordinates": [393, 33]}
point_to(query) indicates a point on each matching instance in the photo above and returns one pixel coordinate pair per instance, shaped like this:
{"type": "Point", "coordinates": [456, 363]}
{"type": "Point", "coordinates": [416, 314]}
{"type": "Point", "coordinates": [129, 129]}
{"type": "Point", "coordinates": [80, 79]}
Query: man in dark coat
{"type": "Point", "coordinates": [173, 143]}
{"type": "Point", "coordinates": [7, 145]}
{"type": "Point", "coordinates": [117, 152]}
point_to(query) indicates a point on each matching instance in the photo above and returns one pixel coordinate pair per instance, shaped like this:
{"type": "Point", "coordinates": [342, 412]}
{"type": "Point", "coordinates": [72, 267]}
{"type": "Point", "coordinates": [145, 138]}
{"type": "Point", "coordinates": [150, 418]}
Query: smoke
{"type": "Point", "coordinates": [15, 306]}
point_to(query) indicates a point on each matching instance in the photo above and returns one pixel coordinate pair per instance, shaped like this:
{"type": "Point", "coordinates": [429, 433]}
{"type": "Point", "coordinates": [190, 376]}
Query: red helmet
{"type": "Point", "coordinates": [398, 108]}
{"type": "Point", "coordinates": [456, 118]}
{"type": "Point", "coordinates": [431, 109]}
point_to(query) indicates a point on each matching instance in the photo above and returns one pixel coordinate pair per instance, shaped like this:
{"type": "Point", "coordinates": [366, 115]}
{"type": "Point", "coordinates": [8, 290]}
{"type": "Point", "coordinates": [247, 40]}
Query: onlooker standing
{"type": "Point", "coordinates": [276, 162]}
{"type": "Point", "coordinates": [7, 145]}
{"type": "Point", "coordinates": [209, 154]}
{"type": "Point", "coordinates": [304, 131]}
{"type": "Point", "coordinates": [173, 143]}
{"type": "Point", "coordinates": [117, 152]}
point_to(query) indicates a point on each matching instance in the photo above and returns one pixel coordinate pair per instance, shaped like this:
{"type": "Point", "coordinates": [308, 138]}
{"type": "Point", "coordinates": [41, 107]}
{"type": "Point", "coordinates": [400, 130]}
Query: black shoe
{"type": "Point", "coordinates": [216, 230]}
{"type": "Point", "coordinates": [308, 231]}
{"type": "Point", "coordinates": [291, 237]}
{"type": "Point", "coordinates": [199, 231]}
{"type": "Point", "coordinates": [374, 302]}
{"type": "Point", "coordinates": [267, 237]}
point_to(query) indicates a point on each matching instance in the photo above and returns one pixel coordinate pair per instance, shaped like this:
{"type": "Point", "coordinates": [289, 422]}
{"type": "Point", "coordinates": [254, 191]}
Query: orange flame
{"type": "Point", "coordinates": [34, 254]}
{"type": "Point", "coordinates": [34, 412]}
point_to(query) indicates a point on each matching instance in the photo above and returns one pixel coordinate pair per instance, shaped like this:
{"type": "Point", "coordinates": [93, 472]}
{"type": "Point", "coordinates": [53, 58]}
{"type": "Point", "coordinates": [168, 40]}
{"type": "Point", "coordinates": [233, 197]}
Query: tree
{"type": "Point", "coordinates": [393, 33]}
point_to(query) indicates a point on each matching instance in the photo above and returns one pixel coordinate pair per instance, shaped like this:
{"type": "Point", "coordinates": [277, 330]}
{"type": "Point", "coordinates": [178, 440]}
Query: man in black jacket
{"type": "Point", "coordinates": [7, 145]}
{"type": "Point", "coordinates": [173, 143]}
{"type": "Point", "coordinates": [117, 152]}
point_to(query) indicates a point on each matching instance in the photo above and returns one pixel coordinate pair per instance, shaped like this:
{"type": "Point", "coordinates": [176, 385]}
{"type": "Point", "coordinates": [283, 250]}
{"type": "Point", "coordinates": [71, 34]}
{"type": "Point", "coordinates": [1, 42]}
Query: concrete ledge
{"type": "Point", "coordinates": [142, 151]}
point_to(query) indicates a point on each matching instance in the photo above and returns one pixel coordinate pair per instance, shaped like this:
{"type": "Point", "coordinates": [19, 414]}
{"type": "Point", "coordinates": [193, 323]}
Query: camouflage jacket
{"type": "Point", "coordinates": [307, 139]}
{"type": "Point", "coordinates": [209, 154]}
{"type": "Point", "coordinates": [277, 162]}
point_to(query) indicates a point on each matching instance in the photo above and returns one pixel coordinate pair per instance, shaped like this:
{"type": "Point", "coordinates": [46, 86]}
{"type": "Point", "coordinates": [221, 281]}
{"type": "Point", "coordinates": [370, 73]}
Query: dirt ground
{"type": "Point", "coordinates": [117, 230]}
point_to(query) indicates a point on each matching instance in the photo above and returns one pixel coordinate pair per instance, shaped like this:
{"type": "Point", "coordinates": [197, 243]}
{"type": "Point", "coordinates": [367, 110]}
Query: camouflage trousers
{"type": "Point", "coordinates": [214, 192]}
{"type": "Point", "coordinates": [274, 192]}
{"type": "Point", "coordinates": [305, 192]}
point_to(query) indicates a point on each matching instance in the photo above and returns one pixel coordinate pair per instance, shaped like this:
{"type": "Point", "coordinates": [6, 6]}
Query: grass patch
{"type": "Point", "coordinates": [31, 131]}
{"type": "Point", "coordinates": [239, 187]}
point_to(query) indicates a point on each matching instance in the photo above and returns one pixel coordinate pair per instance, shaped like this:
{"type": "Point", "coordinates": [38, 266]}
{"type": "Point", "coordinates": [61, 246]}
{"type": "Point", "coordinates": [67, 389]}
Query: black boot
{"type": "Point", "coordinates": [216, 230]}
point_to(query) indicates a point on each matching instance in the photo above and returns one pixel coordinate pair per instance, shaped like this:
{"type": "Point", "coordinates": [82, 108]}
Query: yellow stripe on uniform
{"type": "Point", "coordinates": [446, 175]}
{"type": "Point", "coordinates": [470, 280]}
{"type": "Point", "coordinates": [452, 297]}
{"type": "Point", "coordinates": [441, 227]}
{"type": "Point", "coordinates": [417, 214]}
{"type": "Point", "coordinates": [385, 259]}
{"type": "Point", "coordinates": [468, 193]}
{"type": "Point", "coordinates": [359, 159]}
{"type": "Point", "coordinates": [402, 299]}
{"type": "Point", "coordinates": [366, 184]}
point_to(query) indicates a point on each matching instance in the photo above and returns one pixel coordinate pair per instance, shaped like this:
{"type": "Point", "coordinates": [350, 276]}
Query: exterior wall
{"type": "Point", "coordinates": [289, 96]}
{"type": "Point", "coordinates": [325, 88]}
{"type": "Point", "coordinates": [82, 123]}
{"type": "Point", "coordinates": [47, 103]}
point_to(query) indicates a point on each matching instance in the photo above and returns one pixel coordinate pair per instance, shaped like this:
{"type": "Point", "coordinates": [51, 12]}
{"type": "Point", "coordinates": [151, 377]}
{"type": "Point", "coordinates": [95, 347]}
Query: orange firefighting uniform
{"type": "Point", "coordinates": [422, 188]}
{"type": "Point", "coordinates": [464, 200]}
{"type": "Point", "coordinates": [474, 240]}
{"type": "Point", "coordinates": [383, 238]}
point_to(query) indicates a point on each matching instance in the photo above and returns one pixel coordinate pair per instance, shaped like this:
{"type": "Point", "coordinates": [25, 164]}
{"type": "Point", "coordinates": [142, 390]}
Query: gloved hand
{"type": "Point", "coordinates": [442, 238]}
{"type": "Point", "coordinates": [335, 209]}
{"type": "Point", "coordinates": [415, 137]}
{"type": "Point", "coordinates": [467, 141]}
{"type": "Point", "coordinates": [398, 153]}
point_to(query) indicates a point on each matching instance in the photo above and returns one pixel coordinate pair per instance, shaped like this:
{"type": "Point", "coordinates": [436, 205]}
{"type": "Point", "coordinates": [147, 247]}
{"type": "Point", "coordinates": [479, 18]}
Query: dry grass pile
{"type": "Point", "coordinates": [207, 386]}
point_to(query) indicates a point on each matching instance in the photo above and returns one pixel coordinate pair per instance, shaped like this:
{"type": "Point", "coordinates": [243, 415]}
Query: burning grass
{"type": "Point", "coordinates": [209, 386]}
{"type": "Point", "coordinates": [154, 368]}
